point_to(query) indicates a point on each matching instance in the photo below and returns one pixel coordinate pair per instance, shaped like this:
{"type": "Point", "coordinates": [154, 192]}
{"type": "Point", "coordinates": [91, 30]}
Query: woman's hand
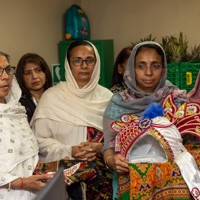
{"type": "Point", "coordinates": [36, 182]}
{"type": "Point", "coordinates": [116, 161]}
{"type": "Point", "coordinates": [33, 183]}
{"type": "Point", "coordinates": [121, 164]}
{"type": "Point", "coordinates": [87, 150]}
{"type": "Point", "coordinates": [95, 147]}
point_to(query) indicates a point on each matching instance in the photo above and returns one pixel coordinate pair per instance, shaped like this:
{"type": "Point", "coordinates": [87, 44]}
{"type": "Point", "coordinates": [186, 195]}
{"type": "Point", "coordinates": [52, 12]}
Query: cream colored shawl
{"type": "Point", "coordinates": [67, 103]}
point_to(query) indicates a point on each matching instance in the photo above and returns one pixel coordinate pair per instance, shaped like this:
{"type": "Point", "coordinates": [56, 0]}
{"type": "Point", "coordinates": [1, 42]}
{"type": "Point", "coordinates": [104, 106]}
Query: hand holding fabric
{"type": "Point", "coordinates": [121, 164]}
{"type": "Point", "coordinates": [36, 182]}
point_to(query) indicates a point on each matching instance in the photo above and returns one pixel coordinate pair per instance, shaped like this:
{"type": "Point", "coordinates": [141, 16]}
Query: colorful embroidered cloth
{"type": "Point", "coordinates": [153, 181]}
{"type": "Point", "coordinates": [186, 117]}
{"type": "Point", "coordinates": [74, 170]}
{"type": "Point", "coordinates": [157, 181]}
{"type": "Point", "coordinates": [151, 147]}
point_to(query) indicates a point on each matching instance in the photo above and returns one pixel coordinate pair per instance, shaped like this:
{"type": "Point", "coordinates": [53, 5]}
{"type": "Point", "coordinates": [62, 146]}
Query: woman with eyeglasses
{"type": "Point", "coordinates": [34, 77]}
{"type": "Point", "coordinates": [147, 153]}
{"type": "Point", "coordinates": [68, 121]}
{"type": "Point", "coordinates": [18, 145]}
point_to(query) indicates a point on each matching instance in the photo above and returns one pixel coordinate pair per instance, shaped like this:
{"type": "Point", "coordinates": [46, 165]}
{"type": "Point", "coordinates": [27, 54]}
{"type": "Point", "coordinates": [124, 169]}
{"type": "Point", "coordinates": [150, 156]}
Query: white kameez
{"type": "Point", "coordinates": [55, 141]}
{"type": "Point", "coordinates": [18, 146]}
{"type": "Point", "coordinates": [65, 111]}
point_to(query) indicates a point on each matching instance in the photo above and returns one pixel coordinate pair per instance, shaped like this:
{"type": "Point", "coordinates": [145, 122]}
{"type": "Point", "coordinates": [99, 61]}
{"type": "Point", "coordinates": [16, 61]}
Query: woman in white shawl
{"type": "Point", "coordinates": [19, 148]}
{"type": "Point", "coordinates": [68, 121]}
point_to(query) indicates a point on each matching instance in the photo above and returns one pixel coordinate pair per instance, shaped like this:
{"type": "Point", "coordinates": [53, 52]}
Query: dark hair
{"type": "Point", "coordinates": [38, 60]}
{"type": "Point", "coordinates": [76, 44]}
{"type": "Point", "coordinates": [158, 50]}
{"type": "Point", "coordinates": [6, 55]}
{"type": "Point", "coordinates": [123, 55]}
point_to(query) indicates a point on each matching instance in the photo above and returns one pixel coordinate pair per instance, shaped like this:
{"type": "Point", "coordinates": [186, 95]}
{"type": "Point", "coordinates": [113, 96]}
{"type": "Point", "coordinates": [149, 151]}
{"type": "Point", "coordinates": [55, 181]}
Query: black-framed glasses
{"type": "Point", "coordinates": [10, 70]}
{"type": "Point", "coordinates": [153, 66]}
{"type": "Point", "coordinates": [78, 61]}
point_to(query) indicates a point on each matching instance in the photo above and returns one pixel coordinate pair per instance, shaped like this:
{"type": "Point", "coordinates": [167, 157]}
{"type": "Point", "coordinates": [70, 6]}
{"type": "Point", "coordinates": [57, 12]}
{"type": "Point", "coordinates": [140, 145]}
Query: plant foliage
{"type": "Point", "coordinates": [176, 48]}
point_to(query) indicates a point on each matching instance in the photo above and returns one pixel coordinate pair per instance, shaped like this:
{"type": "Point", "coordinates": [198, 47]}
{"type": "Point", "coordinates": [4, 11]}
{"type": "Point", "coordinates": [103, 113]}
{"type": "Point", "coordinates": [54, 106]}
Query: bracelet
{"type": "Point", "coordinates": [9, 186]}
{"type": "Point", "coordinates": [107, 161]}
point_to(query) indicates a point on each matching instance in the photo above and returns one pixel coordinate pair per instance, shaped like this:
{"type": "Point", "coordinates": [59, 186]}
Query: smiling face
{"type": "Point", "coordinates": [82, 72]}
{"type": "Point", "coordinates": [34, 77]}
{"type": "Point", "coordinates": [5, 79]}
{"type": "Point", "coordinates": [148, 70]}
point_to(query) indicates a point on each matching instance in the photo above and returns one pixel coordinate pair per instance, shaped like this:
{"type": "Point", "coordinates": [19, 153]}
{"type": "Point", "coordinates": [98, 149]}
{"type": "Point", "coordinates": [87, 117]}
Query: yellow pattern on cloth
{"type": "Point", "coordinates": [157, 180]}
{"type": "Point", "coordinates": [167, 179]}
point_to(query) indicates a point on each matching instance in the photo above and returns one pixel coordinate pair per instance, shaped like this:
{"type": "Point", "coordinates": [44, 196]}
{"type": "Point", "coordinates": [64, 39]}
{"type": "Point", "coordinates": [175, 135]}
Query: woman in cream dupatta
{"type": "Point", "coordinates": [68, 121]}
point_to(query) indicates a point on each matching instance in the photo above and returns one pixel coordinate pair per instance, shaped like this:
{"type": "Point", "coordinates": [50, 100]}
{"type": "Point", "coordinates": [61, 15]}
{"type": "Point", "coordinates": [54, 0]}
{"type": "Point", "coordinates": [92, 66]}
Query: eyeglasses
{"type": "Point", "coordinates": [77, 61]}
{"type": "Point", "coordinates": [10, 70]}
{"type": "Point", "coordinates": [153, 67]}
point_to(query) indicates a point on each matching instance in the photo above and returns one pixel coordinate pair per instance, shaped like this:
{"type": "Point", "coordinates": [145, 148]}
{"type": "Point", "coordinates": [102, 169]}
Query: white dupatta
{"type": "Point", "coordinates": [67, 103]}
{"type": "Point", "coordinates": [18, 145]}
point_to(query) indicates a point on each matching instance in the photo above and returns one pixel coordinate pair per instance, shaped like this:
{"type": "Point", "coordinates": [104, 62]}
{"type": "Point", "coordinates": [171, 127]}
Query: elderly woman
{"type": "Point", "coordinates": [68, 121]}
{"type": "Point", "coordinates": [134, 147]}
{"type": "Point", "coordinates": [19, 148]}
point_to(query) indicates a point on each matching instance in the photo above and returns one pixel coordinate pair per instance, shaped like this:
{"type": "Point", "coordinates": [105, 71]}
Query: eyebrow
{"type": "Point", "coordinates": [155, 61]}
{"type": "Point", "coordinates": [32, 68]}
{"type": "Point", "coordinates": [82, 58]}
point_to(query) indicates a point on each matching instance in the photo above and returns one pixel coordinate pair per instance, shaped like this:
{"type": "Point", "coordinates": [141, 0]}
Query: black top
{"type": "Point", "coordinates": [29, 105]}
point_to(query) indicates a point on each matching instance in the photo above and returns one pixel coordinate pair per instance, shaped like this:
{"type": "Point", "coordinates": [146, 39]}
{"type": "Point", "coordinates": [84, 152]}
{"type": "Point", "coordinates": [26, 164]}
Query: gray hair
{"type": "Point", "coordinates": [6, 55]}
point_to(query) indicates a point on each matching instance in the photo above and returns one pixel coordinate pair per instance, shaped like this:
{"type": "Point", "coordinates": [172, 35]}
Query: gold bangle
{"type": "Point", "coordinates": [107, 161]}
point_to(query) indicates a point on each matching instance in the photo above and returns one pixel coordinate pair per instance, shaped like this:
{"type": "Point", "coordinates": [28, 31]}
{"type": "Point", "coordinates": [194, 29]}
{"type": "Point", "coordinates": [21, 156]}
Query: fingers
{"type": "Point", "coordinates": [49, 175]}
{"type": "Point", "coordinates": [43, 177]}
{"type": "Point", "coordinates": [91, 146]}
{"type": "Point", "coordinates": [85, 154]}
{"type": "Point", "coordinates": [82, 144]}
{"type": "Point", "coordinates": [87, 151]}
{"type": "Point", "coordinates": [122, 170]}
{"type": "Point", "coordinates": [35, 182]}
{"type": "Point", "coordinates": [92, 158]}
{"type": "Point", "coordinates": [81, 154]}
{"type": "Point", "coordinates": [121, 164]}
{"type": "Point", "coordinates": [85, 148]}
{"type": "Point", "coordinates": [121, 159]}
{"type": "Point", "coordinates": [89, 156]}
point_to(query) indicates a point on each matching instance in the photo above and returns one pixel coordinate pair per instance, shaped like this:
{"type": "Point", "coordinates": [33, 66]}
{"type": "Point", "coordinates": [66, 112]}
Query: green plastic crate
{"type": "Point", "coordinates": [188, 75]}
{"type": "Point", "coordinates": [173, 71]}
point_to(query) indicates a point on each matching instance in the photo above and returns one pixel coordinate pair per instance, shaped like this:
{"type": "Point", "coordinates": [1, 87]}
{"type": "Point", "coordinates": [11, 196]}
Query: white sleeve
{"type": "Point", "coordinates": [190, 172]}
{"type": "Point", "coordinates": [6, 178]}
{"type": "Point", "coordinates": [50, 148]}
